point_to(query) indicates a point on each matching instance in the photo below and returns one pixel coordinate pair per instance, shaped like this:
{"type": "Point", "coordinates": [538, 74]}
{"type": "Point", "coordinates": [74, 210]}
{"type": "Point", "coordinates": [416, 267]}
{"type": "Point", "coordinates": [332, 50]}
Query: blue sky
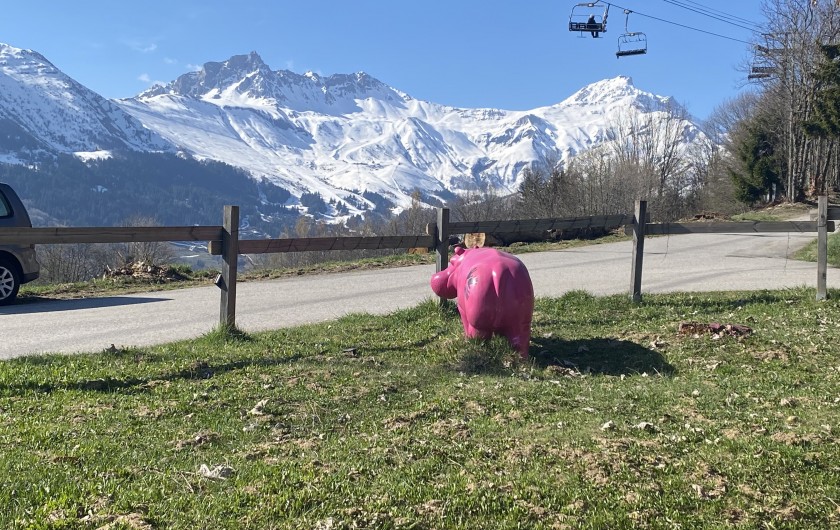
{"type": "Point", "coordinates": [505, 54]}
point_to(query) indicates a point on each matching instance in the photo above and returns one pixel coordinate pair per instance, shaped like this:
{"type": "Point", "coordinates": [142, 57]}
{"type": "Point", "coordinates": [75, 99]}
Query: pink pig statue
{"type": "Point", "coordinates": [494, 292]}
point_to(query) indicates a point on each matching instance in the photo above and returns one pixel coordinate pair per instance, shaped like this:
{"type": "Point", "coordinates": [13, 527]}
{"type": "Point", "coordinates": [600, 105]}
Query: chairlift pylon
{"type": "Point", "coordinates": [630, 42]}
{"type": "Point", "coordinates": [589, 17]}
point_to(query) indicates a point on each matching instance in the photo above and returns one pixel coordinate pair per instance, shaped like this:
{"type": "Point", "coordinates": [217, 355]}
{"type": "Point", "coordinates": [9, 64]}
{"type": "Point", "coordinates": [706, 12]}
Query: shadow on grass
{"type": "Point", "coordinates": [700, 301]}
{"type": "Point", "coordinates": [195, 371]}
{"type": "Point", "coordinates": [593, 356]}
{"type": "Point", "coordinates": [599, 356]}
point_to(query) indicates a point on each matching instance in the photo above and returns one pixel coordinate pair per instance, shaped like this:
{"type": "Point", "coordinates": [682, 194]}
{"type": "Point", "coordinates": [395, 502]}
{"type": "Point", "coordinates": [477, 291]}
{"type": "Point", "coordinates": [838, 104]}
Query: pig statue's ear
{"type": "Point", "coordinates": [459, 251]}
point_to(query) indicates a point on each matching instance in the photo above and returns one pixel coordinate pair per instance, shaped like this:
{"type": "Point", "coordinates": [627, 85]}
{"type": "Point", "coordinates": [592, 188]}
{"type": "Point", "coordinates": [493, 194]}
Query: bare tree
{"type": "Point", "coordinates": [71, 263]}
{"type": "Point", "coordinates": [789, 52]}
{"type": "Point", "coordinates": [483, 205]}
{"type": "Point", "coordinates": [648, 151]}
{"type": "Point", "coordinates": [153, 253]}
{"type": "Point", "coordinates": [544, 190]}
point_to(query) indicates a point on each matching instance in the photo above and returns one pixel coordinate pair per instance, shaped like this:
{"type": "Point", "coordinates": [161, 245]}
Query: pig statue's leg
{"type": "Point", "coordinates": [470, 316]}
{"type": "Point", "coordinates": [473, 332]}
{"type": "Point", "coordinates": [519, 338]}
{"type": "Point", "coordinates": [464, 322]}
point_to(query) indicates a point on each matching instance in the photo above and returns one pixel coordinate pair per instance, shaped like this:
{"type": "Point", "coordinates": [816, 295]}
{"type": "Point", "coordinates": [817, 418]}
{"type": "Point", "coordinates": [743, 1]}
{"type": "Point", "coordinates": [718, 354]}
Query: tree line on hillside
{"type": "Point", "coordinates": [786, 134]}
{"type": "Point", "coordinates": [168, 188]}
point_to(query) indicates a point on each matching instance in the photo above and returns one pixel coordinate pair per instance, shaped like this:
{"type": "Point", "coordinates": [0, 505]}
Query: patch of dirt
{"type": "Point", "coordinates": [789, 513]}
{"type": "Point", "coordinates": [451, 428]}
{"type": "Point", "coordinates": [132, 521]}
{"type": "Point", "coordinates": [432, 507]}
{"type": "Point", "coordinates": [735, 516]}
{"type": "Point", "coordinates": [198, 439]}
{"type": "Point", "coordinates": [707, 216]}
{"type": "Point", "coordinates": [793, 439]}
{"type": "Point", "coordinates": [140, 270]}
{"type": "Point", "coordinates": [614, 457]}
{"type": "Point", "coordinates": [749, 491]}
{"type": "Point", "coordinates": [707, 482]}
{"type": "Point", "coordinates": [143, 411]}
{"type": "Point", "coordinates": [717, 330]}
{"type": "Point", "coordinates": [401, 421]}
{"type": "Point", "coordinates": [732, 433]}
{"type": "Point", "coordinates": [770, 355]}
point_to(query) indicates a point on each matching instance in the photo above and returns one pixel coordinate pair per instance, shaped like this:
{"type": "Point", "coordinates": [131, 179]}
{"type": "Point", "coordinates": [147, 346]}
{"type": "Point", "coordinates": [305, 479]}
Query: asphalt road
{"type": "Point", "coordinates": [693, 262]}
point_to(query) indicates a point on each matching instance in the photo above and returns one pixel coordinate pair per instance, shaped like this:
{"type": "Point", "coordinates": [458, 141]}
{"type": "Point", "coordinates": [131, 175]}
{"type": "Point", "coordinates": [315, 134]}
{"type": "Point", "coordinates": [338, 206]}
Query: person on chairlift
{"type": "Point", "coordinates": [591, 22]}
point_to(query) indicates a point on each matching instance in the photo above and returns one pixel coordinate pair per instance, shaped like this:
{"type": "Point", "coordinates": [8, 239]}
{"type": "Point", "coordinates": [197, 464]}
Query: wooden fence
{"type": "Point", "coordinates": [823, 224]}
{"type": "Point", "coordinates": [224, 240]}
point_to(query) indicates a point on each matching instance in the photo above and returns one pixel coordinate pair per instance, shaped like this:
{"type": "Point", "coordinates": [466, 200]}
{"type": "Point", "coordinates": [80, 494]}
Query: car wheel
{"type": "Point", "coordinates": [9, 281]}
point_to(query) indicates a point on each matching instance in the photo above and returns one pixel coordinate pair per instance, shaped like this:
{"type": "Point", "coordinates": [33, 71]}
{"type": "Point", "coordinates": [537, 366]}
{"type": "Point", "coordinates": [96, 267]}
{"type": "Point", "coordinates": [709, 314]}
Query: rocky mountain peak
{"type": "Point", "coordinates": [617, 90]}
{"type": "Point", "coordinates": [215, 77]}
{"type": "Point", "coordinates": [226, 83]}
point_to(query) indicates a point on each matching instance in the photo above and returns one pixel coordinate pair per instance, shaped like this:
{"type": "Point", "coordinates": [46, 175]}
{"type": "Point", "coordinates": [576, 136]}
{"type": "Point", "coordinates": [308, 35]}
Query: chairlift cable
{"type": "Point", "coordinates": [709, 11]}
{"type": "Point", "coordinates": [722, 17]}
{"type": "Point", "coordinates": [683, 25]}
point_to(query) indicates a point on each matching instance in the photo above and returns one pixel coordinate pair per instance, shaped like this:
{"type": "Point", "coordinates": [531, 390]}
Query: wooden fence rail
{"type": "Point", "coordinates": [224, 240]}
{"type": "Point", "coordinates": [821, 226]}
{"type": "Point", "coordinates": [310, 244]}
{"type": "Point", "coordinates": [443, 228]}
{"type": "Point", "coordinates": [739, 227]}
{"type": "Point", "coordinates": [540, 225]}
{"type": "Point", "coordinates": [52, 236]}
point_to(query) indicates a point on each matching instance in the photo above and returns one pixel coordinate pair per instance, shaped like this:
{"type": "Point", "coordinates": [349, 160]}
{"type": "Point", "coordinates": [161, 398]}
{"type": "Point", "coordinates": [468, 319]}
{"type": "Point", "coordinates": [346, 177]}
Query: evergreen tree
{"type": "Point", "coordinates": [759, 167]}
{"type": "Point", "coordinates": [825, 121]}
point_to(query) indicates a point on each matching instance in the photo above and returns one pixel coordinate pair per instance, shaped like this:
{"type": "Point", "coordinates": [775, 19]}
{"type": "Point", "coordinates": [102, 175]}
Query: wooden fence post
{"type": "Point", "coordinates": [442, 243]}
{"type": "Point", "coordinates": [230, 256]}
{"type": "Point", "coordinates": [822, 246]}
{"type": "Point", "coordinates": [638, 251]}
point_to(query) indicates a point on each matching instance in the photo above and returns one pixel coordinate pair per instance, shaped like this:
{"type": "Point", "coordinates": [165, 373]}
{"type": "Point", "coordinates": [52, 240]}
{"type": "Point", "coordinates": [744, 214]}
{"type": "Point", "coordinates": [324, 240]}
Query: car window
{"type": "Point", "coordinates": [5, 209]}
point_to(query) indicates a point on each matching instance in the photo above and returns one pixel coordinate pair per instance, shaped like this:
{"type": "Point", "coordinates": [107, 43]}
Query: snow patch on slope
{"type": "Point", "coordinates": [59, 114]}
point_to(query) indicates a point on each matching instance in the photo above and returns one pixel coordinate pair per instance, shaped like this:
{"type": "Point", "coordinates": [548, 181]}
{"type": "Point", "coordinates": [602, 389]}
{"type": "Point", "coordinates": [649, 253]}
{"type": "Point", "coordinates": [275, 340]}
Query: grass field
{"type": "Point", "coordinates": [809, 253]}
{"type": "Point", "coordinates": [618, 420]}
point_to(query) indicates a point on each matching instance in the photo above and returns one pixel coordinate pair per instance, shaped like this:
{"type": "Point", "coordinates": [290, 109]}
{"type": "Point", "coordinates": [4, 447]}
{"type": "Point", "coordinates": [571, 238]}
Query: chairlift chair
{"type": "Point", "coordinates": [633, 43]}
{"type": "Point", "coordinates": [630, 42]}
{"type": "Point", "coordinates": [587, 17]}
{"type": "Point", "coordinates": [762, 65]}
{"type": "Point", "coordinates": [761, 72]}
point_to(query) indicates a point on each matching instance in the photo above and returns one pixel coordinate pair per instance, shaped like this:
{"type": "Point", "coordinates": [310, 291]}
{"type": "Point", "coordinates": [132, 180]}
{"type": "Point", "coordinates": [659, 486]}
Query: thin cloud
{"type": "Point", "coordinates": [169, 60]}
{"type": "Point", "coordinates": [140, 46]}
{"type": "Point", "coordinates": [147, 79]}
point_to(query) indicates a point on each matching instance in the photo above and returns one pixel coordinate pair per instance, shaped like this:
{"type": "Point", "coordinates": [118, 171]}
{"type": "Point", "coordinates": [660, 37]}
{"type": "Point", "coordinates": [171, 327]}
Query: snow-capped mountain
{"type": "Point", "coordinates": [339, 135]}
{"type": "Point", "coordinates": [42, 109]}
{"type": "Point", "coordinates": [343, 134]}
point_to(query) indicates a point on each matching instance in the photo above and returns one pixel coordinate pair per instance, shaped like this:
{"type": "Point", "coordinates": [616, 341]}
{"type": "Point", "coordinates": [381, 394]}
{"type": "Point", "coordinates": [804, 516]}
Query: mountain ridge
{"type": "Point", "coordinates": [34, 95]}
{"type": "Point", "coordinates": [341, 136]}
